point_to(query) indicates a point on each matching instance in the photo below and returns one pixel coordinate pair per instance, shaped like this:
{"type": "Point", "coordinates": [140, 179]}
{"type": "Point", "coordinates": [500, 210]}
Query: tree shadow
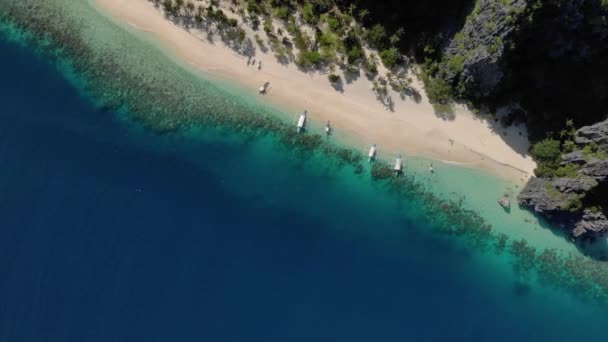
{"type": "Point", "coordinates": [338, 85]}
{"type": "Point", "coordinates": [351, 74]}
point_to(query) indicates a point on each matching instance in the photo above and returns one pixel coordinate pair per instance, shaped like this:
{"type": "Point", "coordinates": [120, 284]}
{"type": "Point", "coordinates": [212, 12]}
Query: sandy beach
{"type": "Point", "coordinates": [411, 128]}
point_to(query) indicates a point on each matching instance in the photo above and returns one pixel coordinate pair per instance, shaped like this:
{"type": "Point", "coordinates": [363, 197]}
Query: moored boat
{"type": "Point", "coordinates": [302, 121]}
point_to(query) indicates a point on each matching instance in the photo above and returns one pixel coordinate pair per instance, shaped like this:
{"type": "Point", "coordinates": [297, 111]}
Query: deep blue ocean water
{"type": "Point", "coordinates": [109, 233]}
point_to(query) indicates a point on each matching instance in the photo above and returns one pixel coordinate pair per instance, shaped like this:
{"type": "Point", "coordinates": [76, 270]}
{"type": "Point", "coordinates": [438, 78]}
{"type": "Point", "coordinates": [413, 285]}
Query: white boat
{"type": "Point", "coordinates": [302, 121]}
{"type": "Point", "coordinates": [398, 165]}
{"type": "Point", "coordinates": [372, 152]}
{"type": "Point", "coordinates": [264, 87]}
{"type": "Point", "coordinates": [327, 128]}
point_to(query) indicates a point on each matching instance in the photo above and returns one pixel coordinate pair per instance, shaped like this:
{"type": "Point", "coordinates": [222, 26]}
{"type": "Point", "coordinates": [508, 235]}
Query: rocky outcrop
{"type": "Point", "coordinates": [595, 168]}
{"type": "Point", "coordinates": [471, 61]}
{"type": "Point", "coordinates": [597, 133]}
{"type": "Point", "coordinates": [578, 185]}
{"type": "Point", "coordinates": [591, 222]}
{"type": "Point", "coordinates": [561, 200]}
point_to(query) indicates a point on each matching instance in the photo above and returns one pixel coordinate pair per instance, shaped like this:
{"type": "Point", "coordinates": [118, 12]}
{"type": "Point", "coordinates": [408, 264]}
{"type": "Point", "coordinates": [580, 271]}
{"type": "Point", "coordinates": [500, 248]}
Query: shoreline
{"type": "Point", "coordinates": [412, 128]}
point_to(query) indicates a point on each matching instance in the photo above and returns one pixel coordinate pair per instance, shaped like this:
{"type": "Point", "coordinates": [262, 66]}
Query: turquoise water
{"type": "Point", "coordinates": [112, 231]}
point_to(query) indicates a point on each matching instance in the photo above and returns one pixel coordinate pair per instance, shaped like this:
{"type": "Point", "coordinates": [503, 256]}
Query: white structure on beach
{"type": "Point", "coordinates": [372, 152]}
{"type": "Point", "coordinates": [398, 165]}
{"type": "Point", "coordinates": [302, 121]}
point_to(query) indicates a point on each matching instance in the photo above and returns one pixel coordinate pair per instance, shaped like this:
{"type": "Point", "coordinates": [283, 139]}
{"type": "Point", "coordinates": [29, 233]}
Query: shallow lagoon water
{"type": "Point", "coordinates": [111, 232]}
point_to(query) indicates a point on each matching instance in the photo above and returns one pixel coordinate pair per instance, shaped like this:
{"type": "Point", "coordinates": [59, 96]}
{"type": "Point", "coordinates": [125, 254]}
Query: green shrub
{"type": "Point", "coordinates": [456, 63]}
{"type": "Point", "coordinates": [547, 151]}
{"type": "Point", "coordinates": [308, 14]}
{"type": "Point", "coordinates": [354, 54]}
{"type": "Point", "coordinates": [334, 23]}
{"type": "Point", "coordinates": [438, 90]}
{"type": "Point", "coordinates": [254, 7]}
{"type": "Point", "coordinates": [548, 154]}
{"type": "Point", "coordinates": [389, 57]}
{"type": "Point", "coordinates": [308, 58]}
{"type": "Point", "coordinates": [282, 13]}
{"type": "Point", "coordinates": [268, 27]}
{"type": "Point", "coordinates": [573, 204]}
{"type": "Point", "coordinates": [568, 170]}
{"type": "Point", "coordinates": [376, 36]}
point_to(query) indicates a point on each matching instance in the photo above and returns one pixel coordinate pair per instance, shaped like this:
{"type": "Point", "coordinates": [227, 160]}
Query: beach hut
{"type": "Point", "coordinates": [372, 153]}
{"type": "Point", "coordinates": [398, 165]}
{"type": "Point", "coordinates": [302, 122]}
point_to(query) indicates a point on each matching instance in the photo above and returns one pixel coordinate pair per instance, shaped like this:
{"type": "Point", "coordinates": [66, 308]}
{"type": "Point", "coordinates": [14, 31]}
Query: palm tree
{"type": "Point", "coordinates": [351, 9]}
{"type": "Point", "coordinates": [562, 133]}
{"type": "Point", "coordinates": [394, 39]}
{"type": "Point", "coordinates": [363, 13]}
{"type": "Point", "coordinates": [569, 123]}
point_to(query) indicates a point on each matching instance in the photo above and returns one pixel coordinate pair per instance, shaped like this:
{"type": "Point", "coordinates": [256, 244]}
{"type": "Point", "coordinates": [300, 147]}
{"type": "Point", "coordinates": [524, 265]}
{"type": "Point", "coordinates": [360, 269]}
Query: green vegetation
{"type": "Point", "coordinates": [568, 170]}
{"type": "Point", "coordinates": [282, 13]}
{"type": "Point", "coordinates": [547, 154]}
{"type": "Point", "coordinates": [389, 57]}
{"type": "Point", "coordinates": [308, 58]}
{"type": "Point", "coordinates": [376, 36]}
{"type": "Point", "coordinates": [456, 63]}
{"type": "Point", "coordinates": [573, 203]}
{"type": "Point", "coordinates": [438, 90]}
{"type": "Point", "coordinates": [308, 14]}
{"type": "Point", "coordinates": [592, 150]}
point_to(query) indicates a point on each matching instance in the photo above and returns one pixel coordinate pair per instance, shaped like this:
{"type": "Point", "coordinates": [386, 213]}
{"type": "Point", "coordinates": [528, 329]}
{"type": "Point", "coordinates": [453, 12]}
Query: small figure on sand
{"type": "Point", "coordinates": [328, 128]}
{"type": "Point", "coordinates": [264, 87]}
{"type": "Point", "coordinates": [431, 169]}
{"type": "Point", "coordinates": [259, 65]}
{"type": "Point", "coordinates": [253, 62]}
{"type": "Point", "coordinates": [248, 60]}
{"type": "Point", "coordinates": [451, 141]}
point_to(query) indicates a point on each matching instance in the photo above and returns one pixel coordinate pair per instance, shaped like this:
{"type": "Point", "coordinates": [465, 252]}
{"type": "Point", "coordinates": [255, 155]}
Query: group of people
{"type": "Point", "coordinates": [252, 62]}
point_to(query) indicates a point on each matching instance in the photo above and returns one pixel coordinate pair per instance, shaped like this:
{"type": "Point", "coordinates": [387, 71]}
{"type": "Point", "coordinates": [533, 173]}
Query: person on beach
{"type": "Point", "coordinates": [259, 65]}
{"type": "Point", "coordinates": [248, 60]}
{"type": "Point", "coordinates": [253, 63]}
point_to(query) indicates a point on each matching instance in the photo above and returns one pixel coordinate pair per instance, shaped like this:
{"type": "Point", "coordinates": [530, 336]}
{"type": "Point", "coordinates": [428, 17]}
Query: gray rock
{"type": "Point", "coordinates": [575, 157]}
{"type": "Point", "coordinates": [591, 222]}
{"type": "Point", "coordinates": [597, 133]}
{"type": "Point", "coordinates": [536, 197]}
{"type": "Point", "coordinates": [480, 44]}
{"type": "Point", "coordinates": [597, 169]}
{"type": "Point", "coordinates": [578, 185]}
